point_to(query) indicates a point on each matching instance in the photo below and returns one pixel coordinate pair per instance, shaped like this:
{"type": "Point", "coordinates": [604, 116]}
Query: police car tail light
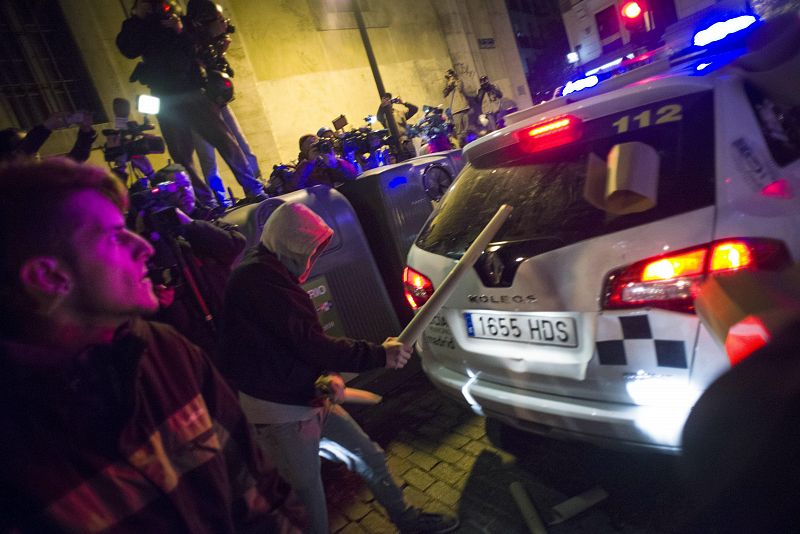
{"type": "Point", "coordinates": [671, 281]}
{"type": "Point", "coordinates": [550, 133]}
{"type": "Point", "coordinates": [417, 288]}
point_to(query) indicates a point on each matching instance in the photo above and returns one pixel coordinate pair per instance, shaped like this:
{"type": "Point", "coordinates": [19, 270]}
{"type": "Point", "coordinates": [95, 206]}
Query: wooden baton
{"type": "Point", "coordinates": [425, 315]}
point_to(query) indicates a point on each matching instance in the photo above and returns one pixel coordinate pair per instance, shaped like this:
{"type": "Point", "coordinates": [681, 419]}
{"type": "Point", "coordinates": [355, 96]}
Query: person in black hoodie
{"type": "Point", "coordinates": [274, 349]}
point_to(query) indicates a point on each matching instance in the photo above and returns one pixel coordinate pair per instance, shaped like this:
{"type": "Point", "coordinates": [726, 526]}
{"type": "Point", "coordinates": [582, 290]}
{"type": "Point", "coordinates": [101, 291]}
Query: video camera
{"type": "Point", "coordinates": [323, 146]}
{"type": "Point", "coordinates": [154, 208]}
{"type": "Point", "coordinates": [128, 138]}
{"type": "Point", "coordinates": [131, 141]}
{"type": "Point", "coordinates": [432, 124]}
{"type": "Point", "coordinates": [165, 9]}
{"type": "Point", "coordinates": [280, 180]}
{"type": "Point", "coordinates": [364, 140]}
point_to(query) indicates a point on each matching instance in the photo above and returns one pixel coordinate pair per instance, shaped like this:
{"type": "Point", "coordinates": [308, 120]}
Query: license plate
{"type": "Point", "coordinates": [525, 328]}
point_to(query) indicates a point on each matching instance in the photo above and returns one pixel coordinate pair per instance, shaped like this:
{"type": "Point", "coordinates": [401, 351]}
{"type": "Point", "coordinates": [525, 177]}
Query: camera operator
{"type": "Point", "coordinates": [155, 32]}
{"type": "Point", "coordinates": [402, 111]}
{"type": "Point", "coordinates": [213, 35]}
{"type": "Point", "coordinates": [15, 143]}
{"type": "Point", "coordinates": [489, 97]}
{"type": "Point", "coordinates": [193, 257]}
{"type": "Point", "coordinates": [458, 104]}
{"type": "Point", "coordinates": [322, 165]}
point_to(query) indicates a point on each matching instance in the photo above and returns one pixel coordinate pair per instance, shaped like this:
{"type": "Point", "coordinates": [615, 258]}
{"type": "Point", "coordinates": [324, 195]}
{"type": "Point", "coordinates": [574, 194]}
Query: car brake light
{"type": "Point", "coordinates": [671, 281]}
{"type": "Point", "coordinates": [730, 255]}
{"type": "Point", "coordinates": [550, 133]}
{"type": "Point", "coordinates": [688, 264]}
{"type": "Point", "coordinates": [416, 287]}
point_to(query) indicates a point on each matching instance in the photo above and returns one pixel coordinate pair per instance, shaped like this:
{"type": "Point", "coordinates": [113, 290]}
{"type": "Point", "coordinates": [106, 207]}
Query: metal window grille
{"type": "Point", "coordinates": [41, 69]}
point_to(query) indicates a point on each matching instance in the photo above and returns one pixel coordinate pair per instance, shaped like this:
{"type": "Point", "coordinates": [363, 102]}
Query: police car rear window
{"type": "Point", "coordinates": [546, 189]}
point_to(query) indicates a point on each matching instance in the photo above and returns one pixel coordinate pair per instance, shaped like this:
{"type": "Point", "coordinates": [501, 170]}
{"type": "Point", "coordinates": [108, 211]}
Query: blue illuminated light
{"type": "Point", "coordinates": [579, 85]}
{"type": "Point", "coordinates": [720, 30]}
{"type": "Point", "coordinates": [397, 182]}
{"type": "Point", "coordinates": [702, 66]}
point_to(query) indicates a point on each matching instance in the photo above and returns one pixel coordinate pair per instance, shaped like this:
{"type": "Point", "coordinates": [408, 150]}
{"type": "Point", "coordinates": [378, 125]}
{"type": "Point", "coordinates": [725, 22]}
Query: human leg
{"type": "Point", "coordinates": [207, 121]}
{"type": "Point", "coordinates": [294, 448]}
{"type": "Point", "coordinates": [345, 442]}
{"type": "Point", "coordinates": [178, 137]}
{"type": "Point", "coordinates": [208, 164]}
{"type": "Point", "coordinates": [460, 125]}
{"type": "Point", "coordinates": [236, 130]}
{"type": "Point", "coordinates": [492, 117]}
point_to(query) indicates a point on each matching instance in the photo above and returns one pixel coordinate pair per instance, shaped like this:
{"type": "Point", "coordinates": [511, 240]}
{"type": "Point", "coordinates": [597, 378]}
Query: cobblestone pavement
{"type": "Point", "coordinates": [442, 456]}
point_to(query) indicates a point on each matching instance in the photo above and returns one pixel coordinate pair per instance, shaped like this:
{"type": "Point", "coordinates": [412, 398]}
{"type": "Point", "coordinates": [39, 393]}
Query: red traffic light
{"type": "Point", "coordinates": [631, 10]}
{"type": "Point", "coordinates": [636, 17]}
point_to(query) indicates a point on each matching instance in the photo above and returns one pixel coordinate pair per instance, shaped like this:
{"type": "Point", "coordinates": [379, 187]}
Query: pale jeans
{"type": "Point", "coordinates": [207, 157]}
{"type": "Point", "coordinates": [296, 448]}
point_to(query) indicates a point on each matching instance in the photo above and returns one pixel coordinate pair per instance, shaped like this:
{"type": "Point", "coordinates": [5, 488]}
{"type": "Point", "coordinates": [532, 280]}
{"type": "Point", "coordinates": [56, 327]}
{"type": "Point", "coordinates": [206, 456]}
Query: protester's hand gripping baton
{"type": "Point", "coordinates": [425, 315]}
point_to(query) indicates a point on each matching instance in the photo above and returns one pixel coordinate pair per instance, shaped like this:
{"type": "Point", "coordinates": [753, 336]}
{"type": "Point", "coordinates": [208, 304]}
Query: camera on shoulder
{"type": "Point", "coordinates": [323, 146]}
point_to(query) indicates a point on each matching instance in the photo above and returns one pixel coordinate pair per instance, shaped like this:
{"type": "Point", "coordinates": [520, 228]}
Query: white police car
{"type": "Point", "coordinates": [578, 320]}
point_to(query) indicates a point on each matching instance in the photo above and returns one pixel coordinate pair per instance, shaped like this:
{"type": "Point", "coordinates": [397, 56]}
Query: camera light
{"type": "Point", "coordinates": [147, 104]}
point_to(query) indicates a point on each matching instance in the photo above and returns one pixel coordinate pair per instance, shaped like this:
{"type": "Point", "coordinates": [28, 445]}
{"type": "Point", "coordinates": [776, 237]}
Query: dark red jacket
{"type": "Point", "coordinates": [141, 435]}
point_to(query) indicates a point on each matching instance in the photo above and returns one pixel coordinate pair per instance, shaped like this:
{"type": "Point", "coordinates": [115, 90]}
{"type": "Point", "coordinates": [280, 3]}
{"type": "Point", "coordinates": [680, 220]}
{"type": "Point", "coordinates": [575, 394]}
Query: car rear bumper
{"type": "Point", "coordinates": [616, 425]}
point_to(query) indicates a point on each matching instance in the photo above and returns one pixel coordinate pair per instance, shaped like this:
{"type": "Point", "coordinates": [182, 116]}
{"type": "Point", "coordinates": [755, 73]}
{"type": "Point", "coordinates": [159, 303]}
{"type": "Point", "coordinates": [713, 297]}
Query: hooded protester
{"type": "Point", "coordinates": [274, 350]}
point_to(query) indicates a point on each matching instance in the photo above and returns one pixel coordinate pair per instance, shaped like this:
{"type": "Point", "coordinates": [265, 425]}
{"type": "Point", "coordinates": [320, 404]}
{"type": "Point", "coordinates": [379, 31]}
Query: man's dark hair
{"type": "Point", "coordinates": [303, 139]}
{"type": "Point", "coordinates": [387, 95]}
{"type": "Point", "coordinates": [33, 218]}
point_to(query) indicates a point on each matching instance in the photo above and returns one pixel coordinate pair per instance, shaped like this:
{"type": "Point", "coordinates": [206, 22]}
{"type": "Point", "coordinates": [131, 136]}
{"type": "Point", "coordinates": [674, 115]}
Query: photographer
{"type": "Point", "coordinates": [458, 104]}
{"type": "Point", "coordinates": [213, 36]}
{"type": "Point", "coordinates": [193, 257]}
{"type": "Point", "coordinates": [322, 165]}
{"type": "Point", "coordinates": [489, 97]}
{"type": "Point", "coordinates": [155, 32]}
{"type": "Point", "coordinates": [402, 111]}
{"type": "Point", "coordinates": [15, 143]}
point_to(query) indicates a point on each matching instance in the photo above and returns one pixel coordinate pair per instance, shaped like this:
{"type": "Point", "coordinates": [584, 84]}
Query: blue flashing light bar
{"type": "Point", "coordinates": [720, 30]}
{"type": "Point", "coordinates": [608, 65]}
{"type": "Point", "coordinates": [580, 85]}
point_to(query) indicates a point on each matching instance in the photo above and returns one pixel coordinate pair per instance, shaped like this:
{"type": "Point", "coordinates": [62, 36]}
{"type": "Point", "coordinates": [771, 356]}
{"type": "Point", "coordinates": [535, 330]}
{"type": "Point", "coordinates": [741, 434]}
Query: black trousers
{"type": "Point", "coordinates": [186, 112]}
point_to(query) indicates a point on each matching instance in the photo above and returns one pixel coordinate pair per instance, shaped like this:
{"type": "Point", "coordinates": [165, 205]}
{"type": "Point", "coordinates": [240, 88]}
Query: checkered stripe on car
{"type": "Point", "coordinates": [621, 340]}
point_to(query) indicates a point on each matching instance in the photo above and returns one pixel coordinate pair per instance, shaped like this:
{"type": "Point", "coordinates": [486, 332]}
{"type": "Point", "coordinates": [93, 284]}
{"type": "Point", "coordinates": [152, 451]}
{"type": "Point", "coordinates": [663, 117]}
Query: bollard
{"type": "Point", "coordinates": [575, 505]}
{"type": "Point", "coordinates": [529, 513]}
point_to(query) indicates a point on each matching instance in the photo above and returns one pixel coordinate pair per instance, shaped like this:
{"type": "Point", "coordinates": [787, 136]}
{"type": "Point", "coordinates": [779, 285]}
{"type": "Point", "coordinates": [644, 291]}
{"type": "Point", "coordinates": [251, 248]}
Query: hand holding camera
{"type": "Point", "coordinates": [173, 22]}
{"type": "Point", "coordinates": [65, 119]}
